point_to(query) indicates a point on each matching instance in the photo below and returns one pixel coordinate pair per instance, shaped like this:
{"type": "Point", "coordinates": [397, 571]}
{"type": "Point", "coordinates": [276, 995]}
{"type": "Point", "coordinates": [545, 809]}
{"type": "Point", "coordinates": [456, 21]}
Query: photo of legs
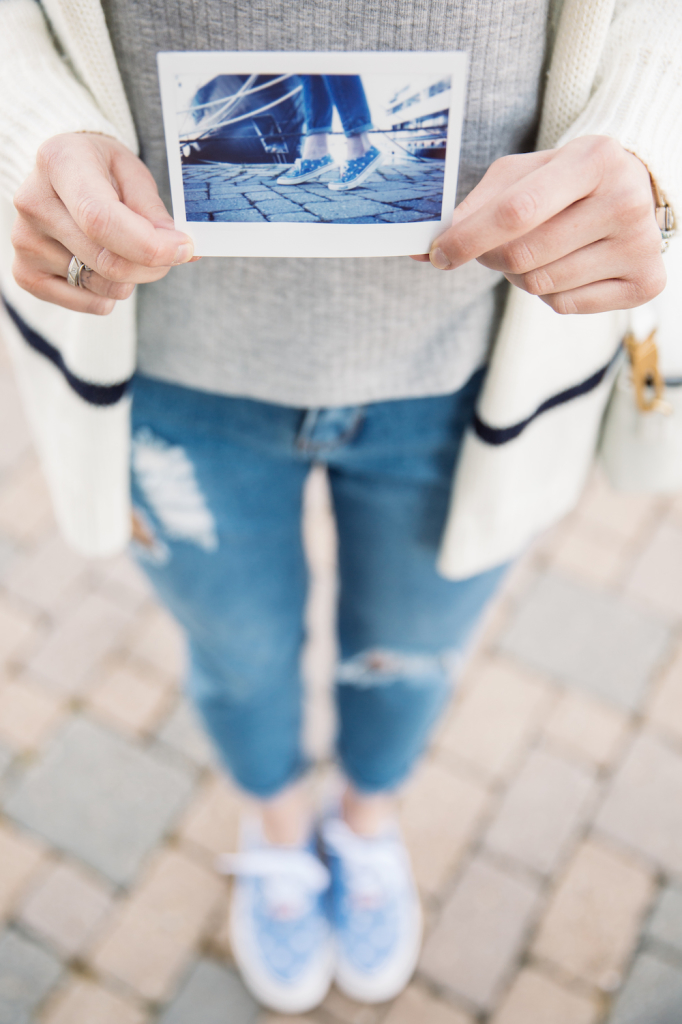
{"type": "Point", "coordinates": [347, 149]}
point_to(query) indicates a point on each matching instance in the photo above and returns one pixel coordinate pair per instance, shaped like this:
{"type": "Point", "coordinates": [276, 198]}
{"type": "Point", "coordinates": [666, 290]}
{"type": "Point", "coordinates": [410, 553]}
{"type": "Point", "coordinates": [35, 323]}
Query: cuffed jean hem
{"type": "Point", "coordinates": [349, 134]}
{"type": "Point", "coordinates": [359, 129]}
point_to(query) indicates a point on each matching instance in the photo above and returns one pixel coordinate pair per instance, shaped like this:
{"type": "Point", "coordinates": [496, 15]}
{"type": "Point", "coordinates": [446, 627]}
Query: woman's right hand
{"type": "Point", "coordinates": [90, 197]}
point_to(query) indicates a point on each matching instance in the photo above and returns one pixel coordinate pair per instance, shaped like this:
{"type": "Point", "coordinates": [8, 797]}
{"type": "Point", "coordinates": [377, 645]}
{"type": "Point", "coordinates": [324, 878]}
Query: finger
{"type": "Point", "coordinates": [517, 210]}
{"type": "Point", "coordinates": [51, 288]}
{"type": "Point", "coordinates": [597, 262]}
{"type": "Point", "coordinates": [580, 225]}
{"type": "Point", "coordinates": [602, 296]}
{"type": "Point", "coordinates": [500, 175]}
{"type": "Point", "coordinates": [423, 258]}
{"type": "Point", "coordinates": [49, 257]}
{"type": "Point", "coordinates": [32, 239]}
{"type": "Point", "coordinates": [90, 198]}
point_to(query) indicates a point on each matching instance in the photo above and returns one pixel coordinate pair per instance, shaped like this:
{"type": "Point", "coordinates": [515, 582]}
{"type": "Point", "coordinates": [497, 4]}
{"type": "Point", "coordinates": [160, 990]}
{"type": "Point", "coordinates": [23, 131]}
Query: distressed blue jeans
{"type": "Point", "coordinates": [217, 484]}
{"type": "Point", "coordinates": [321, 93]}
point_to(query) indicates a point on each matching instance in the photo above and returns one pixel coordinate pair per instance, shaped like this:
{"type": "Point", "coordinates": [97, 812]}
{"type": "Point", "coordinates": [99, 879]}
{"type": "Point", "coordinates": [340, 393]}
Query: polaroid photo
{"type": "Point", "coordinates": [313, 154]}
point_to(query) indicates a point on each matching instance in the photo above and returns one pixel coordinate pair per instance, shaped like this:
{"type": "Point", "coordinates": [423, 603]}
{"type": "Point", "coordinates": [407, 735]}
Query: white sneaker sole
{"type": "Point", "coordinates": [386, 984]}
{"type": "Point", "coordinates": [264, 988]}
{"type": "Point", "coordinates": [339, 186]}
{"type": "Point", "coordinates": [308, 176]}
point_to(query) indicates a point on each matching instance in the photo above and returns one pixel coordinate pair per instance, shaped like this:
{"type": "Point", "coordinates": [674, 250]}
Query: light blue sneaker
{"type": "Point", "coordinates": [279, 928]}
{"type": "Point", "coordinates": [375, 911]}
{"type": "Point", "coordinates": [354, 172]}
{"type": "Point", "coordinates": [304, 170]}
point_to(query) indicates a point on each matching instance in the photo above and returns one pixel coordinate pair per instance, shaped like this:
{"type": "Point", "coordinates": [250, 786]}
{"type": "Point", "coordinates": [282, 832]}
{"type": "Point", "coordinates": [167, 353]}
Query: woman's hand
{"type": "Point", "coordinates": [575, 226]}
{"type": "Point", "coordinates": [90, 197]}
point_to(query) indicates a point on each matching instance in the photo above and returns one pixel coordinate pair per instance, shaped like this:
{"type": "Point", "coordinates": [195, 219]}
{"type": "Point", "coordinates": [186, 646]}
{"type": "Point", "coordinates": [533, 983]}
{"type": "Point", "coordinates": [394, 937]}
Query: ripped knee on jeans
{"type": "Point", "coordinates": [379, 666]}
{"type": "Point", "coordinates": [168, 481]}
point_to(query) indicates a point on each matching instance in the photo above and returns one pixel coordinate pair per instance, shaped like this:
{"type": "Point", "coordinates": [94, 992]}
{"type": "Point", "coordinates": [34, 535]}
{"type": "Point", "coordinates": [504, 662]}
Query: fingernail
{"type": "Point", "coordinates": [184, 253]}
{"type": "Point", "coordinates": [439, 259]}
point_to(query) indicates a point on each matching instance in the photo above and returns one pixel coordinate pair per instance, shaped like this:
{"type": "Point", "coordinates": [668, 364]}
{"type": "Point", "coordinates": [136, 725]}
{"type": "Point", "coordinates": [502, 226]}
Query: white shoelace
{"type": "Point", "coordinates": [292, 878]}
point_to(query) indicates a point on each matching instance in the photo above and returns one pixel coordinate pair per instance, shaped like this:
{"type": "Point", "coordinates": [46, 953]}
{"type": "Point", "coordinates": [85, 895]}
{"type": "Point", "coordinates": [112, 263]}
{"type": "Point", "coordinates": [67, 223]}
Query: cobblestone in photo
{"type": "Point", "coordinates": [404, 191]}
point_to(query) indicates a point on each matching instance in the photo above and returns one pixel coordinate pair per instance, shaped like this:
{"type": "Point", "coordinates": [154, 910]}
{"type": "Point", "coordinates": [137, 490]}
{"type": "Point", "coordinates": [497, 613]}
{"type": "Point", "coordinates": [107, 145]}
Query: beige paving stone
{"type": "Point", "coordinates": [657, 574]}
{"type": "Point", "coordinates": [496, 717]}
{"type": "Point", "coordinates": [159, 641]}
{"type": "Point", "coordinates": [480, 933]}
{"type": "Point", "coordinates": [212, 820]}
{"type": "Point", "coordinates": [130, 697]}
{"type": "Point", "coordinates": [46, 573]}
{"type": "Point", "coordinates": [20, 859]}
{"type": "Point", "coordinates": [347, 1011]}
{"type": "Point", "coordinates": [440, 816]}
{"type": "Point", "coordinates": [664, 709]}
{"type": "Point", "coordinates": [623, 515]}
{"type": "Point", "coordinates": [592, 921]}
{"type": "Point", "coordinates": [158, 927]}
{"type": "Point", "coordinates": [277, 1018]}
{"type": "Point", "coordinates": [84, 1002]}
{"type": "Point", "coordinates": [78, 642]}
{"type": "Point", "coordinates": [415, 1006]}
{"type": "Point", "coordinates": [25, 510]}
{"type": "Point", "coordinates": [16, 627]}
{"type": "Point", "coordinates": [587, 728]}
{"type": "Point", "coordinates": [643, 808]}
{"type": "Point", "coordinates": [28, 713]}
{"type": "Point", "coordinates": [533, 997]}
{"type": "Point", "coordinates": [122, 581]}
{"type": "Point", "coordinates": [590, 553]}
{"type": "Point", "coordinates": [66, 908]}
{"type": "Point", "coordinates": [542, 811]}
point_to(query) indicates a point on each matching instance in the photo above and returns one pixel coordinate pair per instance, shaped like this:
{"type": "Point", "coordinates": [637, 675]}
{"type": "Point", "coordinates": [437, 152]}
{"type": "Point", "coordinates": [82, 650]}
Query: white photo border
{"type": "Point", "coordinates": [239, 238]}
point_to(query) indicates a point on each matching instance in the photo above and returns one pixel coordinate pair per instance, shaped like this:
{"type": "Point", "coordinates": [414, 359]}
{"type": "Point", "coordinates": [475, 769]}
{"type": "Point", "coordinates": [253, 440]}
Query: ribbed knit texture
{"type": "Point", "coordinates": [331, 331]}
{"type": "Point", "coordinates": [636, 97]}
{"type": "Point", "coordinates": [40, 96]}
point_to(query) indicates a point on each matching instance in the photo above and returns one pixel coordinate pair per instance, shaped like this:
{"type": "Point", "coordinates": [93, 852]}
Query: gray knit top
{"type": "Point", "coordinates": [316, 332]}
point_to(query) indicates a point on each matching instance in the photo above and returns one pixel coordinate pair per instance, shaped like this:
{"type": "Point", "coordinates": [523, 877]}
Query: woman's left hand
{"type": "Point", "coordinates": [575, 226]}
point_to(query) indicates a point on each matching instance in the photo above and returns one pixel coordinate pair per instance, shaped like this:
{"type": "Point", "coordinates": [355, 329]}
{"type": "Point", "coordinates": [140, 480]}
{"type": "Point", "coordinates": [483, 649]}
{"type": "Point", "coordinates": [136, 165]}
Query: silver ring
{"type": "Point", "coordinates": [76, 268]}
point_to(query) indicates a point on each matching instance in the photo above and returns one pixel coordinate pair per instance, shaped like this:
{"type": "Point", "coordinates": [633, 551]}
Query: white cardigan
{"type": "Point", "coordinates": [616, 70]}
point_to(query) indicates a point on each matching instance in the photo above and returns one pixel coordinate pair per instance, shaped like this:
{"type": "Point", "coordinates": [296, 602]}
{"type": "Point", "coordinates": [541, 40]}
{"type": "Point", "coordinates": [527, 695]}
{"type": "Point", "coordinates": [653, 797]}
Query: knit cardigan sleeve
{"type": "Point", "coordinates": [40, 95]}
{"type": "Point", "coordinates": [636, 95]}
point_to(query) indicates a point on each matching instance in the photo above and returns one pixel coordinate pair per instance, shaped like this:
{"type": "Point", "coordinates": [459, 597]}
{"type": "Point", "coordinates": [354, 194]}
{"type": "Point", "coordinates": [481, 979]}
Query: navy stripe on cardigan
{"type": "Point", "coordinates": [502, 435]}
{"type": "Point", "coordinates": [95, 394]}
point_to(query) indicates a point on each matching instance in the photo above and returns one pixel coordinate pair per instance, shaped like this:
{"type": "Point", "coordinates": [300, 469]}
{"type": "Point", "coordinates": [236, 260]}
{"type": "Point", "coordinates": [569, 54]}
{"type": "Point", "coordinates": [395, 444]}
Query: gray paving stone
{"type": "Point", "coordinates": [344, 209]}
{"type": "Point", "coordinates": [100, 798]}
{"type": "Point", "coordinates": [27, 973]}
{"type": "Point", "coordinates": [651, 995]}
{"type": "Point", "coordinates": [541, 811]}
{"type": "Point", "coordinates": [273, 207]}
{"type": "Point", "coordinates": [6, 757]}
{"type": "Point", "coordinates": [665, 924]}
{"type": "Point", "coordinates": [402, 216]}
{"type": "Point", "coordinates": [297, 218]}
{"type": "Point", "coordinates": [213, 994]}
{"type": "Point", "coordinates": [479, 935]}
{"type": "Point", "coordinates": [589, 639]}
{"type": "Point", "coordinates": [238, 215]}
{"type": "Point", "coordinates": [644, 806]}
{"type": "Point", "coordinates": [183, 732]}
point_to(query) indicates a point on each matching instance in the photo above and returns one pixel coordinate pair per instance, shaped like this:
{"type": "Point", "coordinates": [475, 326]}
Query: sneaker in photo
{"type": "Point", "coordinates": [304, 170]}
{"type": "Point", "coordinates": [354, 172]}
{"type": "Point", "coordinates": [375, 911]}
{"type": "Point", "coordinates": [279, 928]}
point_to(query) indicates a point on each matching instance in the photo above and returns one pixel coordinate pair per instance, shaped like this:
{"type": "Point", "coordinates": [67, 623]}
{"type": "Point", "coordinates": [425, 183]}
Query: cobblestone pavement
{"type": "Point", "coordinates": [408, 190]}
{"type": "Point", "coordinates": [545, 823]}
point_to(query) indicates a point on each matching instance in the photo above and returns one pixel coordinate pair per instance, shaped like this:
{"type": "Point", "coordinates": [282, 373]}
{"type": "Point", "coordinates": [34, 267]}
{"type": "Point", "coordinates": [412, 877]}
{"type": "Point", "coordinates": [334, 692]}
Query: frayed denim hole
{"type": "Point", "coordinates": [166, 477]}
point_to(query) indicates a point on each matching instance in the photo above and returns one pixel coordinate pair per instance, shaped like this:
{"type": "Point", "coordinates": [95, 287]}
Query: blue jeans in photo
{"type": "Point", "coordinates": [218, 482]}
{"type": "Point", "coordinates": [321, 93]}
